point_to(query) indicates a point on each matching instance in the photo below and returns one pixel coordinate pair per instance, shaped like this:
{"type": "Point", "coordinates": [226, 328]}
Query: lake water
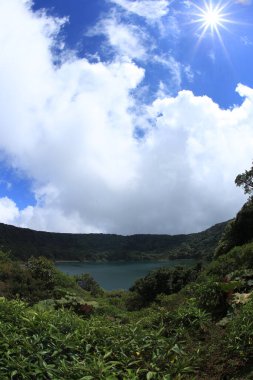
{"type": "Point", "coordinates": [115, 275]}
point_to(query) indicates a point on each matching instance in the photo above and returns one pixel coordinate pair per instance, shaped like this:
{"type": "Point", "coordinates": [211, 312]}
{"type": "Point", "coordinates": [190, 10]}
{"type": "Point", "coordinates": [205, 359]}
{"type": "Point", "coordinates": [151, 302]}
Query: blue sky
{"type": "Point", "coordinates": [123, 116]}
{"type": "Point", "coordinates": [216, 70]}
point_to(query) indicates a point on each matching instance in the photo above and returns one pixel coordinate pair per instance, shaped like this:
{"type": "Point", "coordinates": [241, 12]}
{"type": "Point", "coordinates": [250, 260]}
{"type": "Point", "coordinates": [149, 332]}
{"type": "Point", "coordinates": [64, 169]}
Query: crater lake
{"type": "Point", "coordinates": [119, 275]}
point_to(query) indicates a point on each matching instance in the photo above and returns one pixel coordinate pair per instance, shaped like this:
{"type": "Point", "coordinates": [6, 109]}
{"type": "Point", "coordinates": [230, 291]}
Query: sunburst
{"type": "Point", "coordinates": [211, 18]}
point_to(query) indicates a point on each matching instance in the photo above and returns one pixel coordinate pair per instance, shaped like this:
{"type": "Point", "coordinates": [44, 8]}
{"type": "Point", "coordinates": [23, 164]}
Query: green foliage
{"type": "Point", "coordinates": [238, 232]}
{"type": "Point", "coordinates": [227, 241]}
{"type": "Point", "coordinates": [186, 319]}
{"type": "Point", "coordinates": [135, 301]}
{"type": "Point", "coordinates": [77, 304]}
{"type": "Point", "coordinates": [246, 180]}
{"type": "Point", "coordinates": [24, 243]}
{"type": "Point", "coordinates": [240, 257]}
{"type": "Point", "coordinates": [35, 281]}
{"type": "Point", "coordinates": [87, 282]}
{"type": "Point", "coordinates": [64, 281]}
{"type": "Point", "coordinates": [240, 333]}
{"type": "Point", "coordinates": [17, 282]}
{"type": "Point", "coordinates": [5, 256]}
{"type": "Point", "coordinates": [43, 270]}
{"type": "Point", "coordinates": [210, 297]}
{"type": "Point", "coordinates": [163, 280]}
{"type": "Point", "coordinates": [60, 345]}
{"type": "Point", "coordinates": [175, 324]}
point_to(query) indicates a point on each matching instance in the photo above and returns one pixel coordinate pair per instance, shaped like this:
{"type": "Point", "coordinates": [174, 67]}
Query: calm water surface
{"type": "Point", "coordinates": [114, 275]}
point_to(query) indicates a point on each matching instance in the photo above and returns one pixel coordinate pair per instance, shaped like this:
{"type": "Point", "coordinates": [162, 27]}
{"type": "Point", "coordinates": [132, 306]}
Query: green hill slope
{"type": "Point", "coordinates": [24, 243]}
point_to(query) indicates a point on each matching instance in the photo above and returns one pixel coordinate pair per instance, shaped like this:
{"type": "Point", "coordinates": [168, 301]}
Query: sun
{"type": "Point", "coordinates": [211, 18]}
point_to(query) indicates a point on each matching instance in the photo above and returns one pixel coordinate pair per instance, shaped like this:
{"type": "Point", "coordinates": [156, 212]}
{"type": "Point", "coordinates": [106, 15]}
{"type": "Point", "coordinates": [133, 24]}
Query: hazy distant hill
{"type": "Point", "coordinates": [23, 243]}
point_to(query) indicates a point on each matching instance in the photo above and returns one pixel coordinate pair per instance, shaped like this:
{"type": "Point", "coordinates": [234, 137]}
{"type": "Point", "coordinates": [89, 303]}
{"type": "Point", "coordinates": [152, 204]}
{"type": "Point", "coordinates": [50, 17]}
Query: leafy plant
{"type": "Point", "coordinates": [210, 297]}
{"type": "Point", "coordinates": [57, 344]}
{"type": "Point", "coordinates": [87, 282]}
{"type": "Point", "coordinates": [163, 280]}
{"type": "Point", "coordinates": [240, 332]}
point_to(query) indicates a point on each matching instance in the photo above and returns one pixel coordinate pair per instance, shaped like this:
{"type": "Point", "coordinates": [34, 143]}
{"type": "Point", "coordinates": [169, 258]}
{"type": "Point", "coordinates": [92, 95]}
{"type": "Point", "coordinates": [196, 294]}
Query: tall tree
{"type": "Point", "coordinates": [246, 180]}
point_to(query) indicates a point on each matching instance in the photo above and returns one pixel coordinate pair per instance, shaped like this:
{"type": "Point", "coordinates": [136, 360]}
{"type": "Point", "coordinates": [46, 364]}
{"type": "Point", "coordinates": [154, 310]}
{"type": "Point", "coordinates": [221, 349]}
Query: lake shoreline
{"type": "Point", "coordinates": [104, 261]}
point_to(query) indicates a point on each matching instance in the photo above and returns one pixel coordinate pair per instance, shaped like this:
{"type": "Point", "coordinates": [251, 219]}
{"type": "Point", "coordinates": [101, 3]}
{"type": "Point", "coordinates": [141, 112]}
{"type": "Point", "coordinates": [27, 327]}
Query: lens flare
{"type": "Point", "coordinates": [211, 18]}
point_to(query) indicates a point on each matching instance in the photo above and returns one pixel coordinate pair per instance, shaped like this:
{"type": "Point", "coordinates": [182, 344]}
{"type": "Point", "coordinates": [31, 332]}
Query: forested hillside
{"type": "Point", "coordinates": [24, 243]}
{"type": "Point", "coordinates": [173, 324]}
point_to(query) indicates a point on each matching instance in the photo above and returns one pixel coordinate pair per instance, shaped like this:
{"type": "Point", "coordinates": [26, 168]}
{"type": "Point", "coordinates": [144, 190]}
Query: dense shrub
{"type": "Point", "coordinates": [17, 282]}
{"type": "Point", "coordinates": [59, 345]}
{"type": "Point", "coordinates": [239, 231]}
{"type": "Point", "coordinates": [87, 282]}
{"type": "Point", "coordinates": [187, 318]}
{"type": "Point", "coordinates": [163, 280]}
{"type": "Point", "coordinates": [210, 297]}
{"type": "Point", "coordinates": [240, 257]}
{"type": "Point", "coordinates": [239, 340]}
{"type": "Point", "coordinates": [135, 301]}
{"type": "Point", "coordinates": [42, 269]}
{"type": "Point", "coordinates": [35, 281]}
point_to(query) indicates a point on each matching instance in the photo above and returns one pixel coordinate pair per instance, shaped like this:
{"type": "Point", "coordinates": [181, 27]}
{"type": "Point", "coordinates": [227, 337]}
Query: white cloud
{"type": "Point", "coordinates": [176, 70]}
{"type": "Point", "coordinates": [70, 129]}
{"type": "Point", "coordinates": [8, 210]}
{"type": "Point", "coordinates": [127, 40]}
{"type": "Point", "coordinates": [246, 41]}
{"type": "Point", "coordinates": [243, 2]}
{"type": "Point", "coordinates": [149, 9]}
{"type": "Point", "coordinates": [188, 72]}
{"type": "Point", "coordinates": [212, 56]}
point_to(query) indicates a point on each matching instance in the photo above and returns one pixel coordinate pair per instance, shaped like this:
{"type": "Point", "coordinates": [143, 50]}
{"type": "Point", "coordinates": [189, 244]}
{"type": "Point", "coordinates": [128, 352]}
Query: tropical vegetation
{"type": "Point", "coordinates": [24, 243]}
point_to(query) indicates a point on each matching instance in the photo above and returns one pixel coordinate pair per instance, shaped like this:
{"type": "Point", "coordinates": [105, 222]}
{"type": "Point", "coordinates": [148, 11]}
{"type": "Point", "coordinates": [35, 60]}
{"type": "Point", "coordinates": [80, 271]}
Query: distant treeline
{"type": "Point", "coordinates": [24, 243]}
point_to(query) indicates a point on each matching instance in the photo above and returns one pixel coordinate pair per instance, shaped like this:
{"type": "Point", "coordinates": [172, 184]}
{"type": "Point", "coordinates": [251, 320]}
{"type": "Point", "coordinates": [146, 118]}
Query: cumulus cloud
{"type": "Point", "coordinates": [149, 9]}
{"type": "Point", "coordinates": [8, 210]}
{"type": "Point", "coordinates": [71, 130]}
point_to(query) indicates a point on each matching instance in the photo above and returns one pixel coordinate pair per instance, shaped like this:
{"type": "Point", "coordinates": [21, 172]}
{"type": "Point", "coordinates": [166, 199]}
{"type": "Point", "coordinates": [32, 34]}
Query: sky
{"type": "Point", "coordinates": [124, 116]}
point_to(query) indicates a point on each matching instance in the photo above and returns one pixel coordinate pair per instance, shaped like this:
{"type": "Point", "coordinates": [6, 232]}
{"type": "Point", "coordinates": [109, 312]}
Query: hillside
{"type": "Point", "coordinates": [24, 243]}
{"type": "Point", "coordinates": [174, 323]}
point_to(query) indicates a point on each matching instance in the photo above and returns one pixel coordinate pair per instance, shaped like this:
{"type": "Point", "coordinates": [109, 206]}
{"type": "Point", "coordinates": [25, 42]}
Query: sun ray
{"type": "Point", "coordinates": [211, 18]}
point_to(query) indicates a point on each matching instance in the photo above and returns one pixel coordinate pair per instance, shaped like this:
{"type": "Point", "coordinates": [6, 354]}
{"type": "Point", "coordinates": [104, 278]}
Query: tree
{"type": "Point", "coordinates": [163, 280]}
{"type": "Point", "coordinates": [87, 282]}
{"type": "Point", "coordinates": [246, 180]}
{"type": "Point", "coordinates": [42, 270]}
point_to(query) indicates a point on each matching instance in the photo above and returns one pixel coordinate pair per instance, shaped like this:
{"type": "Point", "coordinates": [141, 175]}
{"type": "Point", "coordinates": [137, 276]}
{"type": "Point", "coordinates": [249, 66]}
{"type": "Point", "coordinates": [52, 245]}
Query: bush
{"type": "Point", "coordinates": [37, 280]}
{"type": "Point", "coordinates": [240, 333]}
{"type": "Point", "coordinates": [237, 258]}
{"type": "Point", "coordinates": [239, 231]}
{"type": "Point", "coordinates": [134, 301]}
{"type": "Point", "coordinates": [163, 280]}
{"type": "Point", "coordinates": [210, 297]}
{"type": "Point", "coordinates": [87, 282]}
{"type": "Point", "coordinates": [187, 319]}
{"type": "Point", "coordinates": [42, 269]}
